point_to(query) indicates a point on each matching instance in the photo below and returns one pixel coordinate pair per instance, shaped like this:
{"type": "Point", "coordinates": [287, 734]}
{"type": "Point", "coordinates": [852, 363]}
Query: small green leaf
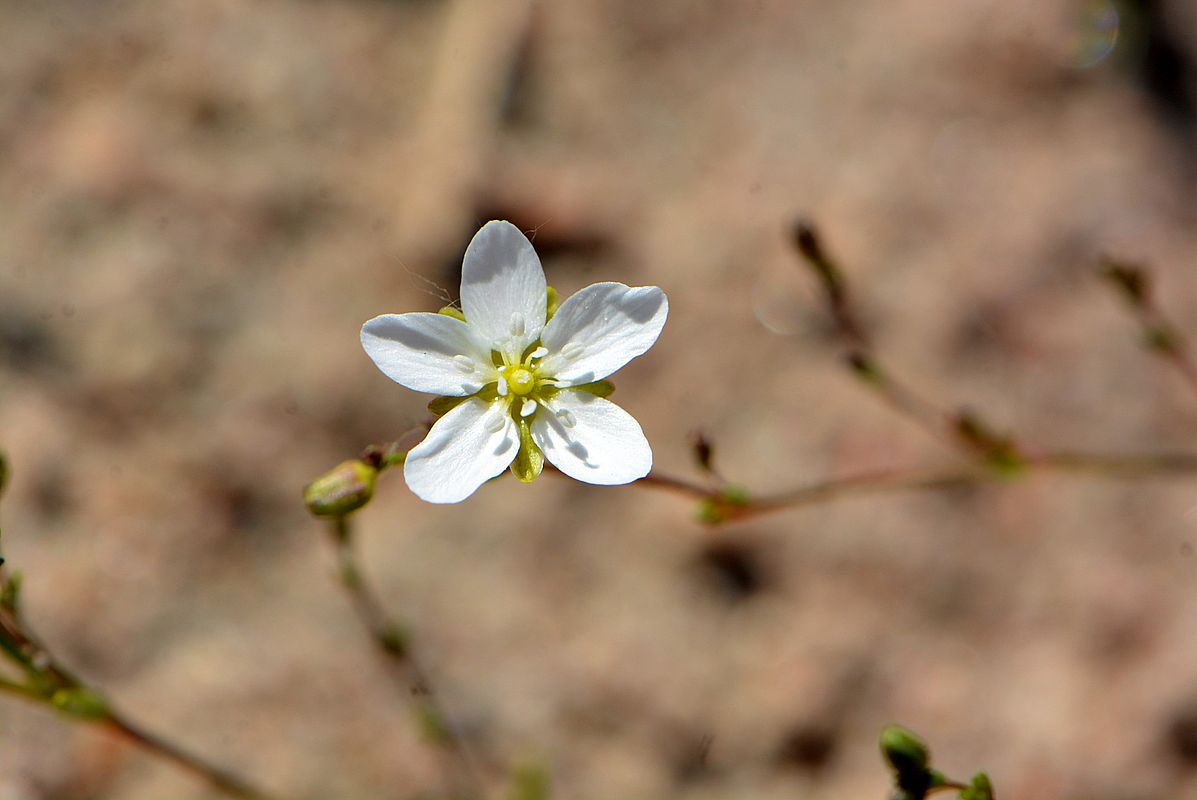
{"type": "Point", "coordinates": [529, 461]}
{"type": "Point", "coordinates": [452, 311]}
{"type": "Point", "coordinates": [597, 388]}
{"type": "Point", "coordinates": [443, 405]}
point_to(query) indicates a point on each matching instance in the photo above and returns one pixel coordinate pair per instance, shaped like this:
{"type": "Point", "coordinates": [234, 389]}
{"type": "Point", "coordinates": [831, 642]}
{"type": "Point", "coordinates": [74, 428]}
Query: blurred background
{"type": "Point", "coordinates": [202, 200]}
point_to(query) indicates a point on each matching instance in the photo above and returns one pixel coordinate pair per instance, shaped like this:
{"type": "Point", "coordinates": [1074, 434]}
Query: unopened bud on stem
{"type": "Point", "coordinates": [905, 752]}
{"type": "Point", "coordinates": [343, 489]}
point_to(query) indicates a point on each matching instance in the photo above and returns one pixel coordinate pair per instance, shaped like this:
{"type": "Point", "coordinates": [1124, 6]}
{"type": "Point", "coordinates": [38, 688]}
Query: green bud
{"type": "Point", "coordinates": [452, 311]}
{"type": "Point", "coordinates": [81, 702]}
{"type": "Point", "coordinates": [980, 789]}
{"type": "Point", "coordinates": [343, 489]}
{"type": "Point", "coordinates": [904, 751]}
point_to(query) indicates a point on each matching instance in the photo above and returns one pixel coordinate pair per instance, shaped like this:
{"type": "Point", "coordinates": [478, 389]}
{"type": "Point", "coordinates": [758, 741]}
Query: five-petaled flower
{"type": "Point", "coordinates": [520, 381]}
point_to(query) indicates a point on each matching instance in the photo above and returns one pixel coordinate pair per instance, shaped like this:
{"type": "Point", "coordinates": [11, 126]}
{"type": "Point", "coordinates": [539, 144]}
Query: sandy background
{"type": "Point", "coordinates": [203, 199]}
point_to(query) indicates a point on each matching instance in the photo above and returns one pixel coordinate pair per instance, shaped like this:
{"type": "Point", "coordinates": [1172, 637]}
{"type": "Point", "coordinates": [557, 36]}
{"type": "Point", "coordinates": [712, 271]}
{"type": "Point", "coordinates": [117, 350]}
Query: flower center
{"type": "Point", "coordinates": [521, 381]}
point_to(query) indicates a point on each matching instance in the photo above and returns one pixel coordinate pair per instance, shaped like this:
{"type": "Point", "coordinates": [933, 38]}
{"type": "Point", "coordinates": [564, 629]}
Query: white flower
{"type": "Point", "coordinates": [526, 376]}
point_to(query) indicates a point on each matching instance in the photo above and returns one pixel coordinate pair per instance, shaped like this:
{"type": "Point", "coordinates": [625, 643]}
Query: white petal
{"type": "Point", "coordinates": [465, 448]}
{"type": "Point", "coordinates": [592, 439]}
{"type": "Point", "coordinates": [503, 287]}
{"type": "Point", "coordinates": [421, 351]}
{"type": "Point", "coordinates": [601, 328]}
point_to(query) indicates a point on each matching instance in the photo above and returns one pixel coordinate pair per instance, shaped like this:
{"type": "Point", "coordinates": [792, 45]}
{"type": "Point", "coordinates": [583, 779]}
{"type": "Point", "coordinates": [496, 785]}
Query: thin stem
{"type": "Point", "coordinates": [1135, 283]}
{"type": "Point", "coordinates": [734, 508]}
{"type": "Point", "coordinates": [462, 777]}
{"type": "Point", "coordinates": [1186, 367]}
{"type": "Point", "coordinates": [219, 778]}
{"type": "Point", "coordinates": [28, 652]}
{"type": "Point", "coordinates": [943, 425]}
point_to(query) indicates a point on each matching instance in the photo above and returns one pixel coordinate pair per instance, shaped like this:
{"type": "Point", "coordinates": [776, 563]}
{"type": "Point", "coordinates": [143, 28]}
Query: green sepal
{"type": "Point", "coordinates": [452, 311]}
{"type": "Point", "coordinates": [529, 461]}
{"type": "Point", "coordinates": [552, 304]}
{"type": "Point", "coordinates": [596, 388]}
{"type": "Point", "coordinates": [443, 405]}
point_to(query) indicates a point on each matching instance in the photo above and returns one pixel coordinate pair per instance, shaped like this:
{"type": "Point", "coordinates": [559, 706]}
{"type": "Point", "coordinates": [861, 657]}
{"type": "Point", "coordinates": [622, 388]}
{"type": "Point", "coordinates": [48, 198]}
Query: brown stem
{"type": "Point", "coordinates": [30, 655]}
{"type": "Point", "coordinates": [219, 778]}
{"type": "Point", "coordinates": [734, 508]}
{"type": "Point", "coordinates": [462, 776]}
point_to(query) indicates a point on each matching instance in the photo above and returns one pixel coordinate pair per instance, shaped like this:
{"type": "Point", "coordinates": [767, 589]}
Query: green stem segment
{"type": "Point", "coordinates": [462, 775]}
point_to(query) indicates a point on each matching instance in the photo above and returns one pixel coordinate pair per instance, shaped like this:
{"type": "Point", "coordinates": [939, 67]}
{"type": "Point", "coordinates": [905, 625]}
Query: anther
{"type": "Point", "coordinates": [502, 386]}
{"type": "Point", "coordinates": [539, 352]}
{"type": "Point", "coordinates": [572, 350]}
{"type": "Point", "coordinates": [528, 407]}
{"type": "Point", "coordinates": [517, 324]}
{"type": "Point", "coordinates": [465, 364]}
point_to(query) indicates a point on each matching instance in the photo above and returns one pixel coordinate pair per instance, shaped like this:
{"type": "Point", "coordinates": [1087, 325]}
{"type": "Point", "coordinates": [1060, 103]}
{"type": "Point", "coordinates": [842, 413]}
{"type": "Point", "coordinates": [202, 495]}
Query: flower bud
{"type": "Point", "coordinates": [343, 489]}
{"type": "Point", "coordinates": [905, 752]}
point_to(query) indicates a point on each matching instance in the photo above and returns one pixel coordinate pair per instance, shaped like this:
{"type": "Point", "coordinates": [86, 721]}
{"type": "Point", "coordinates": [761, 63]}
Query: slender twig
{"type": "Point", "coordinates": [861, 357]}
{"type": "Point", "coordinates": [728, 506]}
{"type": "Point", "coordinates": [48, 681]}
{"type": "Point", "coordinates": [462, 774]}
{"type": "Point", "coordinates": [219, 778]}
{"type": "Point", "coordinates": [1160, 335]}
